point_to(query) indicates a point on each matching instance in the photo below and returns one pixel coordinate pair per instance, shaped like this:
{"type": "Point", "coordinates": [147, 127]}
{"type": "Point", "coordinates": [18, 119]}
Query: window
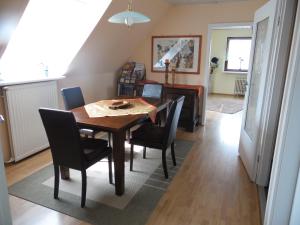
{"type": "Point", "coordinates": [237, 54]}
{"type": "Point", "coordinates": [48, 36]}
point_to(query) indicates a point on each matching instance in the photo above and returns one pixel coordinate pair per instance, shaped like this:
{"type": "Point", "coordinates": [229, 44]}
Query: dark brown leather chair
{"type": "Point", "coordinates": [71, 151]}
{"type": "Point", "coordinates": [73, 98]}
{"type": "Point", "coordinates": [152, 136]}
{"type": "Point", "coordinates": [153, 92]}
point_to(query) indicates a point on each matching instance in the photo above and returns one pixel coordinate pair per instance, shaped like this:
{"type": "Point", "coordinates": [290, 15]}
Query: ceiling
{"type": "Point", "coordinates": [198, 1]}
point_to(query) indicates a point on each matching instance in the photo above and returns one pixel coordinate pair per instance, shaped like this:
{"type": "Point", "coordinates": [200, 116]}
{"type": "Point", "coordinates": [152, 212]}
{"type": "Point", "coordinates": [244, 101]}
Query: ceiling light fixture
{"type": "Point", "coordinates": [129, 17]}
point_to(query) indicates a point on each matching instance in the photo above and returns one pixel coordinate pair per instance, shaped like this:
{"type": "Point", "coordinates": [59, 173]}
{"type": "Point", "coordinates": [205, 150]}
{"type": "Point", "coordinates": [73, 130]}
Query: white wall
{"type": "Point", "coordinates": [5, 216]}
{"type": "Point", "coordinates": [221, 82]}
{"type": "Point", "coordinates": [295, 216]}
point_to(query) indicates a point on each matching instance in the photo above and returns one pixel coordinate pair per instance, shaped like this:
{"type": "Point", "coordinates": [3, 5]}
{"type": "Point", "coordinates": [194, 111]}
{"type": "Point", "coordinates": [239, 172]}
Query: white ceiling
{"type": "Point", "coordinates": [198, 1]}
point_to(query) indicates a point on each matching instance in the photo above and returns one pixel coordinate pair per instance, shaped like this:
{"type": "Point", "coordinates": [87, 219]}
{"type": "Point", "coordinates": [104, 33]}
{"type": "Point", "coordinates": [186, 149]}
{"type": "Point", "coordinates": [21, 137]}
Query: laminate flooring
{"type": "Point", "coordinates": [211, 187]}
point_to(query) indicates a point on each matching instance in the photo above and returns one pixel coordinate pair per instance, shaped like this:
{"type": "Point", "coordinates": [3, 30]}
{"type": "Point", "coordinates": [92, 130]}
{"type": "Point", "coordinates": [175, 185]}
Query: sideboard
{"type": "Point", "coordinates": [191, 113]}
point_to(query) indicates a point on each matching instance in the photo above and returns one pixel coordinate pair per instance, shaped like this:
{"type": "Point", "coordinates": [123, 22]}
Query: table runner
{"type": "Point", "coordinates": [198, 88]}
{"type": "Point", "coordinates": [137, 106]}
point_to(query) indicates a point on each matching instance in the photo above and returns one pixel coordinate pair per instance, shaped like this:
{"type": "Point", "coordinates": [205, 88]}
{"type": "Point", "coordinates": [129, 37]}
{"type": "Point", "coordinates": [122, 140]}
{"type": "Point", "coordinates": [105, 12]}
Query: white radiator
{"type": "Point", "coordinates": [240, 86]}
{"type": "Point", "coordinates": [26, 131]}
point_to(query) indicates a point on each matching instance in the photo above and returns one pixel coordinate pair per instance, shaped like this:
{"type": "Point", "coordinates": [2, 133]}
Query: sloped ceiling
{"type": "Point", "coordinates": [10, 14]}
{"type": "Point", "coordinates": [111, 44]}
{"type": "Point", "coordinates": [109, 47]}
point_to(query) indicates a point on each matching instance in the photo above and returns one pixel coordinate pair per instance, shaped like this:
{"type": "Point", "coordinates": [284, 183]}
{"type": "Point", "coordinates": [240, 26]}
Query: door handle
{"type": "Point", "coordinates": [2, 119]}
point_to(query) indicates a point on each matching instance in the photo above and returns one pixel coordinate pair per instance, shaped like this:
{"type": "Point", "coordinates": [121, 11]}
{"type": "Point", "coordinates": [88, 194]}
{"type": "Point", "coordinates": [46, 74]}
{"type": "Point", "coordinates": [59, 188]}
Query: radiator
{"type": "Point", "coordinates": [26, 131]}
{"type": "Point", "coordinates": [240, 86]}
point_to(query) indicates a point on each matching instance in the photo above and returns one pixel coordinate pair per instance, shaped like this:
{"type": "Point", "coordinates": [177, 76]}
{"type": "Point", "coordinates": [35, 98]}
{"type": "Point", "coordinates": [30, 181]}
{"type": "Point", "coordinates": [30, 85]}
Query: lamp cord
{"type": "Point", "coordinates": [130, 5]}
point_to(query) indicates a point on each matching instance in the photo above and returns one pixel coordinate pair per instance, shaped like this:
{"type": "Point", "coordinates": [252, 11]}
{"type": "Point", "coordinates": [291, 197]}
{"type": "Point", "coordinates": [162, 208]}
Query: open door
{"type": "Point", "coordinates": [257, 76]}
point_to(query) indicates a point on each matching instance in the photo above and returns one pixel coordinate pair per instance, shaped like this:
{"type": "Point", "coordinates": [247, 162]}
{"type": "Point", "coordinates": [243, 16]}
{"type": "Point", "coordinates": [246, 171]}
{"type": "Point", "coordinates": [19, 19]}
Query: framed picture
{"type": "Point", "coordinates": [183, 53]}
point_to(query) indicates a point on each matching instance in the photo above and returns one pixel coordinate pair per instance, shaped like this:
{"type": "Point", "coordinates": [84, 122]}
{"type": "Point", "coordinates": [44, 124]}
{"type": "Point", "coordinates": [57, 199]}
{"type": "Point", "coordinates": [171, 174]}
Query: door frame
{"type": "Point", "coordinates": [5, 214]}
{"type": "Point", "coordinates": [282, 195]}
{"type": "Point", "coordinates": [211, 27]}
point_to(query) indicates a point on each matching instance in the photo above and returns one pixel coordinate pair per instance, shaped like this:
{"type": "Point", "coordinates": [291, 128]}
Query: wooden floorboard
{"type": "Point", "coordinates": [211, 187]}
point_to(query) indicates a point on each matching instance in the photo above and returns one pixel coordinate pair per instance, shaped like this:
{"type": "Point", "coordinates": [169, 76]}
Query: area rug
{"type": "Point", "coordinates": [143, 188]}
{"type": "Point", "coordinates": [223, 105]}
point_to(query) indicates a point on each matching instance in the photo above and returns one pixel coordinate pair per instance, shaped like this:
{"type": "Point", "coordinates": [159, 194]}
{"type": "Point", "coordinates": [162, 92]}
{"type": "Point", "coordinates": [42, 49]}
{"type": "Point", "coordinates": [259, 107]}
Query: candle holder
{"type": "Point", "coordinates": [167, 63]}
{"type": "Point", "coordinates": [173, 75]}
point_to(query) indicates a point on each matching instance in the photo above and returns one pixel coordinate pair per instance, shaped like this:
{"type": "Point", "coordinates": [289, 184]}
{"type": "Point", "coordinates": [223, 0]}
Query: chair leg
{"type": "Point", "coordinates": [83, 188]}
{"type": "Point", "coordinates": [128, 135]}
{"type": "Point", "coordinates": [110, 169]}
{"type": "Point", "coordinates": [131, 157]}
{"type": "Point", "coordinates": [56, 181]}
{"type": "Point", "coordinates": [144, 153]}
{"type": "Point", "coordinates": [164, 162]}
{"type": "Point", "coordinates": [173, 153]}
{"type": "Point", "coordinates": [109, 139]}
{"type": "Point", "coordinates": [158, 119]}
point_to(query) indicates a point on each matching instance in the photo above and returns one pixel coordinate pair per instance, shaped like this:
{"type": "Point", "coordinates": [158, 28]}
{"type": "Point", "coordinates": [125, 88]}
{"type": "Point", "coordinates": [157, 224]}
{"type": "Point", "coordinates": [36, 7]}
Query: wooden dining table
{"type": "Point", "coordinates": [117, 126]}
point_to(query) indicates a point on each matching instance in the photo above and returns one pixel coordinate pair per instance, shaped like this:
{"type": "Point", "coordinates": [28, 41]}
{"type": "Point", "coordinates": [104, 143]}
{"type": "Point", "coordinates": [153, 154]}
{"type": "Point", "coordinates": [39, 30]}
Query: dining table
{"type": "Point", "coordinates": [117, 126]}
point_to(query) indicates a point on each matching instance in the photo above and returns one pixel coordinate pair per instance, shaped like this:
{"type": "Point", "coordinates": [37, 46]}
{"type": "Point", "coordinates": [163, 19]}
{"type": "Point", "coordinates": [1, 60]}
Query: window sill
{"type": "Point", "coordinates": [16, 82]}
{"type": "Point", "coordinates": [235, 72]}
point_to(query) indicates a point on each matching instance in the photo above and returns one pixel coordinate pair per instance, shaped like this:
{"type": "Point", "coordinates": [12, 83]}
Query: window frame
{"type": "Point", "coordinates": [226, 56]}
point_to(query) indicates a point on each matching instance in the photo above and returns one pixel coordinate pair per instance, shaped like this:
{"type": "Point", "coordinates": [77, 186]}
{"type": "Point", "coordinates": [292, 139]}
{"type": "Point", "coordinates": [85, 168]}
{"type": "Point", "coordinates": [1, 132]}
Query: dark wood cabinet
{"type": "Point", "coordinates": [191, 114]}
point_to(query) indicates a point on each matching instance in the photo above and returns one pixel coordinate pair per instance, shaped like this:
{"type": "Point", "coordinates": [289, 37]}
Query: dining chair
{"type": "Point", "coordinates": [69, 150]}
{"type": "Point", "coordinates": [153, 91]}
{"type": "Point", "coordinates": [151, 136]}
{"type": "Point", "coordinates": [73, 98]}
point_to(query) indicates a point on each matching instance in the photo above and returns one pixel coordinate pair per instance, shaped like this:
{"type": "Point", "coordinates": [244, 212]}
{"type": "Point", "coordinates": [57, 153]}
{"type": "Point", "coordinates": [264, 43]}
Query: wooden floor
{"type": "Point", "coordinates": [211, 188]}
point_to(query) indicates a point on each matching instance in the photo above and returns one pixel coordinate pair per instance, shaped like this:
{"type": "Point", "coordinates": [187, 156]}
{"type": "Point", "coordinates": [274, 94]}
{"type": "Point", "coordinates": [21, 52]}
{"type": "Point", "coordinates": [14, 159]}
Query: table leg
{"type": "Point", "coordinates": [64, 173]}
{"type": "Point", "coordinates": [119, 157]}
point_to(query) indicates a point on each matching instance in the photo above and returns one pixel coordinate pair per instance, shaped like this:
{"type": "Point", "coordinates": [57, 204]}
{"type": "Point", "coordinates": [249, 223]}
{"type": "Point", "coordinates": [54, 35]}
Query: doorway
{"type": "Point", "coordinates": [229, 63]}
{"type": "Point", "coordinates": [273, 26]}
{"type": "Point", "coordinates": [229, 52]}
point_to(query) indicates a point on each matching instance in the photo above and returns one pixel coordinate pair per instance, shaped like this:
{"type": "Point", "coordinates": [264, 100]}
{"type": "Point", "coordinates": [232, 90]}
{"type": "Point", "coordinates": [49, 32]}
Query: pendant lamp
{"type": "Point", "coordinates": [129, 17]}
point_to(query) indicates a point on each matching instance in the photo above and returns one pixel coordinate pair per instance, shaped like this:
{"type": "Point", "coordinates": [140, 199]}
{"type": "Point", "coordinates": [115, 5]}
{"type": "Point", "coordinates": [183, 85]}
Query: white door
{"type": "Point", "coordinates": [257, 75]}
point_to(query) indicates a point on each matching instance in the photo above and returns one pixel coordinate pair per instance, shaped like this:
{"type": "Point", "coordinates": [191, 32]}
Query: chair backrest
{"type": "Point", "coordinates": [63, 136]}
{"type": "Point", "coordinates": [152, 91]}
{"type": "Point", "coordinates": [73, 97]}
{"type": "Point", "coordinates": [172, 121]}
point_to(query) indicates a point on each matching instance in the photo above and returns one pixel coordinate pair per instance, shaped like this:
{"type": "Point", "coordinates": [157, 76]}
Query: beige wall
{"type": "Point", "coordinates": [223, 83]}
{"type": "Point", "coordinates": [108, 47]}
{"type": "Point", "coordinates": [194, 19]}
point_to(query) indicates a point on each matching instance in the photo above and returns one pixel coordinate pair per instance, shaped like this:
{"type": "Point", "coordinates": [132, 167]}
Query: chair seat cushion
{"type": "Point", "coordinates": [95, 149]}
{"type": "Point", "coordinates": [148, 135]}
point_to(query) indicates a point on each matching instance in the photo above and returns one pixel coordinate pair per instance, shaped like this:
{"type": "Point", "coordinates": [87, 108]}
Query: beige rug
{"type": "Point", "coordinates": [225, 105]}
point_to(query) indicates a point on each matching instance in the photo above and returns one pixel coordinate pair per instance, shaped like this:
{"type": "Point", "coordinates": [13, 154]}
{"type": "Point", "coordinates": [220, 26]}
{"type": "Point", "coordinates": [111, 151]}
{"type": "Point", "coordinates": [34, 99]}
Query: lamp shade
{"type": "Point", "coordinates": [129, 18]}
